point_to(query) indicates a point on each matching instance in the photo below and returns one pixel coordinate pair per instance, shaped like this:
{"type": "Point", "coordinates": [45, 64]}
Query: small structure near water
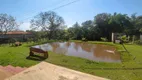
{"type": "Point", "coordinates": [38, 50]}
{"type": "Point", "coordinates": [116, 37]}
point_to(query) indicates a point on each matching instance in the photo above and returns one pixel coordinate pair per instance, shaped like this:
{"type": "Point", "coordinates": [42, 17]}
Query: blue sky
{"type": "Point", "coordinates": [76, 12]}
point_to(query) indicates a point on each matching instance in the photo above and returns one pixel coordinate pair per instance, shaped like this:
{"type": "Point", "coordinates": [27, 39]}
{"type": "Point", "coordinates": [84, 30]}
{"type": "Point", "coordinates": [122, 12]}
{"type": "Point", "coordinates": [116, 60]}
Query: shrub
{"type": "Point", "coordinates": [104, 39]}
{"type": "Point", "coordinates": [138, 42]}
{"type": "Point", "coordinates": [12, 40]}
{"type": "Point", "coordinates": [124, 38]}
{"type": "Point", "coordinates": [84, 39]}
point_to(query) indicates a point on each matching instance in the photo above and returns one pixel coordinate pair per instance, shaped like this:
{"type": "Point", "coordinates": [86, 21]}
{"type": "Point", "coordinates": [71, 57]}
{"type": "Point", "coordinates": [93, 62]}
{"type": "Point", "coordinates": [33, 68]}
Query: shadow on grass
{"type": "Point", "coordinates": [36, 58]}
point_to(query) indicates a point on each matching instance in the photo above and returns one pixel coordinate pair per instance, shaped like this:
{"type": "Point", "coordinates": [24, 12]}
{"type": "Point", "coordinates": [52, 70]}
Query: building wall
{"type": "Point", "coordinates": [17, 36]}
{"type": "Point", "coordinates": [112, 37]}
{"type": "Point", "coordinates": [115, 36]}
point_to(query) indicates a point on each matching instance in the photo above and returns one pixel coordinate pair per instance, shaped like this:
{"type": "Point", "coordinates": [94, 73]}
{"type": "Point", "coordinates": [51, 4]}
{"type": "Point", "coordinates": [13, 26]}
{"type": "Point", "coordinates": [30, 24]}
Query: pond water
{"type": "Point", "coordinates": [95, 52]}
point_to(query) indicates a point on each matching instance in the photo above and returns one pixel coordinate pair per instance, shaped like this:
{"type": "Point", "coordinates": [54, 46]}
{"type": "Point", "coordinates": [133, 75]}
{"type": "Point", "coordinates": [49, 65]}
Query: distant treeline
{"type": "Point", "coordinates": [50, 25]}
{"type": "Point", "coordinates": [104, 24]}
{"type": "Point", "coordinates": [100, 28]}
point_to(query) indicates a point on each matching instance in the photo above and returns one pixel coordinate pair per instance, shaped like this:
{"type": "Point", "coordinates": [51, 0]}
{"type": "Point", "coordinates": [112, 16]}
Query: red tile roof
{"type": "Point", "coordinates": [18, 32]}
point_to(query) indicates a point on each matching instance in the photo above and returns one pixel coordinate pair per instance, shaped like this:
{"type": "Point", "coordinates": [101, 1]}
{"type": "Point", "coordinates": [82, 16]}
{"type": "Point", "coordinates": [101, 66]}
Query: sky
{"type": "Point", "coordinates": [80, 11]}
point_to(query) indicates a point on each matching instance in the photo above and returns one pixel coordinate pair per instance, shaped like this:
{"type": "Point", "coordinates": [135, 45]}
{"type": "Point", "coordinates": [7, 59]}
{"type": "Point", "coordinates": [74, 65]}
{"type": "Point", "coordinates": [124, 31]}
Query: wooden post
{"type": "Point", "coordinates": [46, 54]}
{"type": "Point", "coordinates": [113, 37]}
{"type": "Point", "coordinates": [31, 53]}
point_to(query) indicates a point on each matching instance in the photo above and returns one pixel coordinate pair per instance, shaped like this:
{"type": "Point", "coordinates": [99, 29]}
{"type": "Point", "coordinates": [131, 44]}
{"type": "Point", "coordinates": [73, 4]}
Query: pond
{"type": "Point", "coordinates": [95, 52]}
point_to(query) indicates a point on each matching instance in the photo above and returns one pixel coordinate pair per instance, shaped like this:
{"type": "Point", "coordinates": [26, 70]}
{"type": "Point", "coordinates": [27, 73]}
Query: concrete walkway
{"type": "Point", "coordinates": [8, 71]}
{"type": "Point", "coordinates": [47, 71]}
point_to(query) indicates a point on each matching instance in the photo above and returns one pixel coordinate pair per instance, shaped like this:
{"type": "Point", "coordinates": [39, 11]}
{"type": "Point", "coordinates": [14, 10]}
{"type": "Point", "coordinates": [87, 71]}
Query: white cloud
{"type": "Point", "coordinates": [25, 26]}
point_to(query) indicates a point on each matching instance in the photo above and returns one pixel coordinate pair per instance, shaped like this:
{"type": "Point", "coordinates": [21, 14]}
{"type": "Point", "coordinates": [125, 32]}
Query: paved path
{"type": "Point", "coordinates": [8, 71]}
{"type": "Point", "coordinates": [47, 71]}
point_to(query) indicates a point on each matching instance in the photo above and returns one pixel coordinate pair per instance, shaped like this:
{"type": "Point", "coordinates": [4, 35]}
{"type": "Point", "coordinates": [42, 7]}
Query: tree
{"type": "Point", "coordinates": [137, 24]}
{"type": "Point", "coordinates": [140, 30]}
{"type": "Point", "coordinates": [38, 35]}
{"type": "Point", "coordinates": [75, 32]}
{"type": "Point", "coordinates": [71, 33]}
{"type": "Point", "coordinates": [61, 34]}
{"type": "Point", "coordinates": [7, 23]}
{"type": "Point", "coordinates": [120, 23]}
{"type": "Point", "coordinates": [102, 25]}
{"type": "Point", "coordinates": [47, 21]}
{"type": "Point", "coordinates": [88, 30]}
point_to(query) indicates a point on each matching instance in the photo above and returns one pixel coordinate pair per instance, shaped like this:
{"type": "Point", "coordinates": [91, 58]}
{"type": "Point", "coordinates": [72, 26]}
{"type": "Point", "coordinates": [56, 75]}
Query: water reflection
{"type": "Point", "coordinates": [94, 52]}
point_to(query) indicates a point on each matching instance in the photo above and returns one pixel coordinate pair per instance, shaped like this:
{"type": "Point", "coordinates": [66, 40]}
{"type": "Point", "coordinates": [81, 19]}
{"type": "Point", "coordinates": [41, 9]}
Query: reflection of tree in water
{"type": "Point", "coordinates": [87, 47]}
{"type": "Point", "coordinates": [68, 44]}
{"type": "Point", "coordinates": [55, 46]}
{"type": "Point", "coordinates": [76, 45]}
{"type": "Point", "coordinates": [100, 52]}
{"type": "Point", "coordinates": [60, 47]}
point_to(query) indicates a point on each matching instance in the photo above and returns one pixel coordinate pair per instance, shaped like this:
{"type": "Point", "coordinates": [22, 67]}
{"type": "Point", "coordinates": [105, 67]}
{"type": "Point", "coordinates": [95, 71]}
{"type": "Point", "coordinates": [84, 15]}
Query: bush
{"type": "Point", "coordinates": [104, 39]}
{"type": "Point", "coordinates": [84, 39]}
{"type": "Point", "coordinates": [138, 42]}
{"type": "Point", "coordinates": [124, 38]}
{"type": "Point", "coordinates": [12, 40]}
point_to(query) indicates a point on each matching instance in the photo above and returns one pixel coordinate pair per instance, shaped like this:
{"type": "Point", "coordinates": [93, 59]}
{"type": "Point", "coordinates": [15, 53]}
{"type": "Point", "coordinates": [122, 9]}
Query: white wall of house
{"type": "Point", "coordinates": [112, 37]}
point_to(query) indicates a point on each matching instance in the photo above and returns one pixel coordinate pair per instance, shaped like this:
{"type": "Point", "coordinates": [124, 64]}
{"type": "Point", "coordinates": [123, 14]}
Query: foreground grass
{"type": "Point", "coordinates": [127, 70]}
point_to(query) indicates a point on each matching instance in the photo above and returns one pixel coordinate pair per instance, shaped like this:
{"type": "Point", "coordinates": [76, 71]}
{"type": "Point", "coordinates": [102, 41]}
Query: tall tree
{"type": "Point", "coordinates": [139, 24]}
{"type": "Point", "coordinates": [136, 21]}
{"type": "Point", "coordinates": [104, 24]}
{"type": "Point", "coordinates": [47, 21]}
{"type": "Point", "coordinates": [7, 23]}
{"type": "Point", "coordinates": [120, 23]}
{"type": "Point", "coordinates": [101, 21]}
{"type": "Point", "coordinates": [76, 31]}
{"type": "Point", "coordinates": [87, 28]}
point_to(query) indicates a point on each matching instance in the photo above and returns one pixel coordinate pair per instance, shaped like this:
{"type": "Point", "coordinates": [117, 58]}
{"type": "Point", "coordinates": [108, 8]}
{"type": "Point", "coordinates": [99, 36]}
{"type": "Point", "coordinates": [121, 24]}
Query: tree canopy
{"type": "Point", "coordinates": [7, 23]}
{"type": "Point", "coordinates": [47, 21]}
{"type": "Point", "coordinates": [101, 27]}
{"type": "Point", "coordinates": [105, 23]}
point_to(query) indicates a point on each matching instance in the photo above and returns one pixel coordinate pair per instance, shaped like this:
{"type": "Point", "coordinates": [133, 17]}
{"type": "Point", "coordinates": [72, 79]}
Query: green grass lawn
{"type": "Point", "coordinates": [127, 70]}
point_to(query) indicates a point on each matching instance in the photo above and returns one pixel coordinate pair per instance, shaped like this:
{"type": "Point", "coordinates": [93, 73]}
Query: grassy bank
{"type": "Point", "coordinates": [127, 70]}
